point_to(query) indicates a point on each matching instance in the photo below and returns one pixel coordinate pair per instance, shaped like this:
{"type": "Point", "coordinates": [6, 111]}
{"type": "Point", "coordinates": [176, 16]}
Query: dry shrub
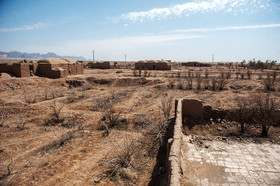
{"type": "Point", "coordinates": [266, 108]}
{"type": "Point", "coordinates": [30, 97]}
{"type": "Point", "coordinates": [55, 116]}
{"type": "Point", "coordinates": [180, 85]}
{"type": "Point", "coordinates": [190, 83]}
{"type": "Point", "coordinates": [20, 123]}
{"type": "Point", "coordinates": [171, 85]}
{"type": "Point", "coordinates": [206, 74]}
{"type": "Point", "coordinates": [237, 75]}
{"type": "Point", "coordinates": [243, 112]}
{"type": "Point", "coordinates": [166, 106]}
{"type": "Point", "coordinates": [274, 75]}
{"type": "Point", "coordinates": [142, 120]}
{"type": "Point", "coordinates": [111, 117]}
{"type": "Point", "coordinates": [249, 73]}
{"type": "Point", "coordinates": [60, 139]}
{"type": "Point", "coordinates": [178, 74]}
{"type": "Point", "coordinates": [221, 83]}
{"type": "Point", "coordinates": [76, 94]}
{"type": "Point", "coordinates": [268, 83]}
{"type": "Point", "coordinates": [102, 103]}
{"type": "Point", "coordinates": [242, 75]}
{"type": "Point", "coordinates": [214, 84]}
{"type": "Point", "coordinates": [125, 159]}
{"type": "Point", "coordinates": [9, 170]}
{"type": "Point", "coordinates": [198, 81]}
{"type": "Point", "coordinates": [228, 75]}
{"type": "Point", "coordinates": [206, 84]}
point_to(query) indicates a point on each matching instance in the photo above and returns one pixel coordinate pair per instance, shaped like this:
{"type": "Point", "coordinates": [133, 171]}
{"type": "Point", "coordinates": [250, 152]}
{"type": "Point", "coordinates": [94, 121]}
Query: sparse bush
{"type": "Point", "coordinates": [206, 74]}
{"type": "Point", "coordinates": [274, 75]}
{"type": "Point", "coordinates": [221, 84]}
{"type": "Point", "coordinates": [190, 83]}
{"type": "Point", "coordinates": [222, 75]}
{"type": "Point", "coordinates": [180, 85]}
{"type": "Point", "coordinates": [171, 85]}
{"type": "Point", "coordinates": [55, 114]}
{"type": "Point", "coordinates": [30, 97]}
{"type": "Point", "coordinates": [166, 106]}
{"type": "Point", "coordinates": [9, 171]}
{"type": "Point", "coordinates": [237, 75]}
{"type": "Point", "coordinates": [178, 74]}
{"type": "Point", "coordinates": [124, 159]}
{"type": "Point", "coordinates": [206, 84]}
{"type": "Point", "coordinates": [142, 120]}
{"type": "Point", "coordinates": [259, 76]}
{"type": "Point", "coordinates": [249, 73]}
{"type": "Point", "coordinates": [214, 82]}
{"type": "Point", "coordinates": [242, 75]}
{"type": "Point", "coordinates": [268, 83]}
{"type": "Point", "coordinates": [21, 123]}
{"type": "Point", "coordinates": [198, 82]}
{"type": "Point", "coordinates": [243, 112]}
{"type": "Point", "coordinates": [266, 111]}
{"type": "Point", "coordinates": [228, 75]}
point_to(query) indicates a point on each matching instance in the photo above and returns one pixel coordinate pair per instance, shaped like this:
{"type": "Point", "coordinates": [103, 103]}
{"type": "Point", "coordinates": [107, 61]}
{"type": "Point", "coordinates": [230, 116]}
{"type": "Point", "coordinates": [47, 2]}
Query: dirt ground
{"type": "Point", "coordinates": [36, 151]}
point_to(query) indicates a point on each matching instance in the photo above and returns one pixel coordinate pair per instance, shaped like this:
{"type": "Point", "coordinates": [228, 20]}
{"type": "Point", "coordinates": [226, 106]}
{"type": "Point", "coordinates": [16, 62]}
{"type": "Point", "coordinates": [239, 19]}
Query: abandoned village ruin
{"type": "Point", "coordinates": [49, 67]}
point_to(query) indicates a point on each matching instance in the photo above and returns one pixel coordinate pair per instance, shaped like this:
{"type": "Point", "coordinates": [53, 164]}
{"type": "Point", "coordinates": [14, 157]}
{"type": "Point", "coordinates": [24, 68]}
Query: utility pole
{"type": "Point", "coordinates": [93, 55]}
{"type": "Point", "coordinates": [212, 58]}
{"type": "Point", "coordinates": [125, 58]}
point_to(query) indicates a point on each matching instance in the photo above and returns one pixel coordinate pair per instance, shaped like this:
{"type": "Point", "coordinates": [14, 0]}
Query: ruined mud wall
{"type": "Point", "coordinates": [99, 65]}
{"type": "Point", "coordinates": [152, 66]}
{"type": "Point", "coordinates": [16, 69]}
{"type": "Point", "coordinates": [175, 165]}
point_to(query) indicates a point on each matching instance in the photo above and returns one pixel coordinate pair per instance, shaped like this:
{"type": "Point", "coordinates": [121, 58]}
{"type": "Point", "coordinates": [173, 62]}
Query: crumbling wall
{"type": "Point", "coordinates": [175, 165]}
{"type": "Point", "coordinates": [192, 107]}
{"type": "Point", "coordinates": [175, 156]}
{"type": "Point", "coordinates": [16, 69]}
{"type": "Point", "coordinates": [152, 65]}
{"type": "Point", "coordinates": [99, 65]}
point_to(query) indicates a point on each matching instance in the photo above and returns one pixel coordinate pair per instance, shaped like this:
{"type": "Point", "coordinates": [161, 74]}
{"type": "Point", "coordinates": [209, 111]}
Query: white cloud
{"type": "Point", "coordinates": [195, 7]}
{"type": "Point", "coordinates": [25, 27]}
{"type": "Point", "coordinates": [224, 28]}
{"type": "Point", "coordinates": [114, 48]}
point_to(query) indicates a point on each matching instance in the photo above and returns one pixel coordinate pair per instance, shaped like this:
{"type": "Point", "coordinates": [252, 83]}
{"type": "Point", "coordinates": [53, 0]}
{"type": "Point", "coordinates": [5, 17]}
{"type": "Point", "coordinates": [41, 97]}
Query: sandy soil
{"type": "Point", "coordinates": [37, 154]}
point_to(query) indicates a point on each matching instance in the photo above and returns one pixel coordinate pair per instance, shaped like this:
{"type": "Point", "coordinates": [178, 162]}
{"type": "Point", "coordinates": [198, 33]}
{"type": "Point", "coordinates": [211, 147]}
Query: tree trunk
{"type": "Point", "coordinates": [264, 131]}
{"type": "Point", "coordinates": [242, 128]}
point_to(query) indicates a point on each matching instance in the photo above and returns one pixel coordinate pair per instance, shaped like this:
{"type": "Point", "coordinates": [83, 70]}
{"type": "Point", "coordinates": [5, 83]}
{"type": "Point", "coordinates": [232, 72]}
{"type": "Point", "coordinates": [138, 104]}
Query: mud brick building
{"type": "Point", "coordinates": [153, 65]}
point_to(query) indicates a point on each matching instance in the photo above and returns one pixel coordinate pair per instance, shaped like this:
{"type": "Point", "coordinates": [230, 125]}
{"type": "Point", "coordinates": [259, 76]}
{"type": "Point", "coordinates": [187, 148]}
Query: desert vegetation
{"type": "Point", "coordinates": [110, 127]}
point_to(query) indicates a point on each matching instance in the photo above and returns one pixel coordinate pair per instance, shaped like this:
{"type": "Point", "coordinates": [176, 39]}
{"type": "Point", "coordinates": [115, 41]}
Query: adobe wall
{"type": "Point", "coordinates": [99, 65]}
{"type": "Point", "coordinates": [152, 66]}
{"type": "Point", "coordinates": [16, 69]}
{"type": "Point", "coordinates": [175, 163]}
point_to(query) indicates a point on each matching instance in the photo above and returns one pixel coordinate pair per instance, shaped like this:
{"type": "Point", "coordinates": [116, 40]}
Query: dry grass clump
{"type": "Point", "coordinates": [104, 102]}
{"type": "Point", "coordinates": [125, 161]}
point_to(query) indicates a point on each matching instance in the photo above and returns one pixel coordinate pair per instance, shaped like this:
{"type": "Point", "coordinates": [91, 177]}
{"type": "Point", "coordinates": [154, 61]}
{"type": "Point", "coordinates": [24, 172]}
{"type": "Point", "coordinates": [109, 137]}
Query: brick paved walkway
{"type": "Point", "coordinates": [230, 163]}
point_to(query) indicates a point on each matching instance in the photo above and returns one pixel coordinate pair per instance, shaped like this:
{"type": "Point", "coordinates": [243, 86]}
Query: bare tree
{"type": "Point", "coordinates": [166, 106]}
{"type": "Point", "coordinates": [266, 111]}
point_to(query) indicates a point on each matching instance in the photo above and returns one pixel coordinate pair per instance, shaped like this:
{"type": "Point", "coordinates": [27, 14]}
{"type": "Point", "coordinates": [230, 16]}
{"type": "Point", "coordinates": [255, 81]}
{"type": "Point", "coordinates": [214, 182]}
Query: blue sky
{"type": "Point", "coordinates": [180, 30]}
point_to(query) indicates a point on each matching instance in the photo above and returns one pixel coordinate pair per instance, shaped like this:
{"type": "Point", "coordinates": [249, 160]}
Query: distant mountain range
{"type": "Point", "coordinates": [16, 54]}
